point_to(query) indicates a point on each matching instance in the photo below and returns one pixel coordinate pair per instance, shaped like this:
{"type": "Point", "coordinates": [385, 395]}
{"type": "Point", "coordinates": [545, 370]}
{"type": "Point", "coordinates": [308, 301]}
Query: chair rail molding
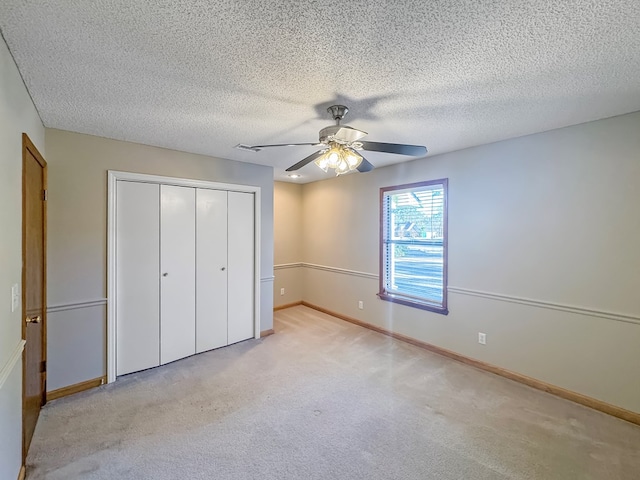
{"type": "Point", "coordinates": [283, 266]}
{"type": "Point", "coordinates": [7, 368]}
{"type": "Point", "coordinates": [63, 307]}
{"type": "Point", "coordinates": [619, 317]}
{"type": "Point", "coordinates": [591, 312]}
{"type": "Point", "coordinates": [344, 271]}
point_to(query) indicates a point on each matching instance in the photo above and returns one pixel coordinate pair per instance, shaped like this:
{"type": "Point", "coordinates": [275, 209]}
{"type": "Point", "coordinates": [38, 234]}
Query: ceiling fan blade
{"type": "Point", "coordinates": [259, 147]}
{"type": "Point", "coordinates": [305, 161]}
{"type": "Point", "coordinates": [365, 166]}
{"type": "Point", "coordinates": [398, 148]}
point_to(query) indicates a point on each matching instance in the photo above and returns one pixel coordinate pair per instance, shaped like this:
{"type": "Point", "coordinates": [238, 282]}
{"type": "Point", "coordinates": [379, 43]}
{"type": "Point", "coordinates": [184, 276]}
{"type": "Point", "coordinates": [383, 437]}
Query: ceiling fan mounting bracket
{"type": "Point", "coordinates": [338, 112]}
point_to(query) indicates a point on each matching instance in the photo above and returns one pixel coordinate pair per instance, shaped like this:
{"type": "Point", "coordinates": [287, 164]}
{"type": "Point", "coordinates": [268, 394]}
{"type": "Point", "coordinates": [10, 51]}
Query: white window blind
{"type": "Point", "coordinates": [414, 227]}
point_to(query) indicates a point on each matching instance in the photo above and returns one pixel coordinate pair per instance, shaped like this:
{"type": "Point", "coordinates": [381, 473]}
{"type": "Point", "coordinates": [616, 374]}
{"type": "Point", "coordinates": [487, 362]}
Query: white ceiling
{"type": "Point", "coordinates": [203, 76]}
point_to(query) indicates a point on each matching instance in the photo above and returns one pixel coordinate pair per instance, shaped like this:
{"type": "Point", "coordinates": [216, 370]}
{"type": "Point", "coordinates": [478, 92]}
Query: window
{"type": "Point", "coordinates": [413, 245]}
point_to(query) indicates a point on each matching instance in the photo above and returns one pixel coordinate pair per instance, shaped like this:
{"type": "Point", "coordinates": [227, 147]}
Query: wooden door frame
{"type": "Point", "coordinates": [29, 147]}
{"type": "Point", "coordinates": [113, 177]}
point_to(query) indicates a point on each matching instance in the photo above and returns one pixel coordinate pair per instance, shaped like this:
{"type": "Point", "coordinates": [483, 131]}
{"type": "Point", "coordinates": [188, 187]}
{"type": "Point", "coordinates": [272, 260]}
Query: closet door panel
{"type": "Point", "coordinates": [177, 267]}
{"type": "Point", "coordinates": [137, 284]}
{"type": "Point", "coordinates": [211, 269]}
{"type": "Point", "coordinates": [241, 266]}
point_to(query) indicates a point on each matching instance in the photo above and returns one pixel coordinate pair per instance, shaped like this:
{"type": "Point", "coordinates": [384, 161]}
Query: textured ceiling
{"type": "Point", "coordinates": [203, 76]}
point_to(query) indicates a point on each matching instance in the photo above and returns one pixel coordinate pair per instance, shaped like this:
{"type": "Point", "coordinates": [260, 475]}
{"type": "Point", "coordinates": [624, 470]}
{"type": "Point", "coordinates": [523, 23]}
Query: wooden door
{"type": "Point", "coordinates": [137, 282]}
{"type": "Point", "coordinates": [34, 290]}
{"type": "Point", "coordinates": [240, 254]}
{"type": "Point", "coordinates": [178, 269]}
{"type": "Point", "coordinates": [211, 269]}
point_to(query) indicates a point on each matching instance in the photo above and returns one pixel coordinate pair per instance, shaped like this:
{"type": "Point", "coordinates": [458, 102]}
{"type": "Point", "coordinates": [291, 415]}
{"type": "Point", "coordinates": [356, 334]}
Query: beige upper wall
{"type": "Point", "coordinates": [78, 203]}
{"type": "Point", "coordinates": [287, 227]}
{"type": "Point", "coordinates": [17, 115]}
{"type": "Point", "coordinates": [550, 217]}
{"type": "Point", "coordinates": [287, 223]}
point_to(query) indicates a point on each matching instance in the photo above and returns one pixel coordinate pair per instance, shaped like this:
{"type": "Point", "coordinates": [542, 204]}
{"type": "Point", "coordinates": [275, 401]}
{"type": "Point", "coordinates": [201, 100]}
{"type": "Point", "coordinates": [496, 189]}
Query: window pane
{"type": "Point", "coordinates": [417, 270]}
{"type": "Point", "coordinates": [417, 214]}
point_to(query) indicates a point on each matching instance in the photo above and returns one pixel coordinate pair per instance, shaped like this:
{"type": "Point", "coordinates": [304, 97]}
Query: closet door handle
{"type": "Point", "coordinates": [223, 268]}
{"type": "Point", "coordinates": [165, 274]}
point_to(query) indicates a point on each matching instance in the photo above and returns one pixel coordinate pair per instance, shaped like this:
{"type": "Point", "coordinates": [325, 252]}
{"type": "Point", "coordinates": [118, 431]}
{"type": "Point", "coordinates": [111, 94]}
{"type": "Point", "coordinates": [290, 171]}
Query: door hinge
{"type": "Point", "coordinates": [45, 195]}
{"type": "Point", "coordinates": [43, 366]}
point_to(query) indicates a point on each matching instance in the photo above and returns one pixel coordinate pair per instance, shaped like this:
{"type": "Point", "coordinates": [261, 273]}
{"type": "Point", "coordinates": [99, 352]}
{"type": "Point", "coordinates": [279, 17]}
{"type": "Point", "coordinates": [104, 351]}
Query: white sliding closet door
{"type": "Point", "coordinates": [178, 272]}
{"type": "Point", "coordinates": [211, 269]}
{"type": "Point", "coordinates": [240, 254]}
{"type": "Point", "coordinates": [138, 287]}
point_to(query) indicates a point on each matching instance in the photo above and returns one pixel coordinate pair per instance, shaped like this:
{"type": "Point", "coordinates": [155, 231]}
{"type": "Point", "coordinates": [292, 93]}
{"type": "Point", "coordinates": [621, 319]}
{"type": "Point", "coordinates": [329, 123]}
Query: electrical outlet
{"type": "Point", "coordinates": [15, 297]}
{"type": "Point", "coordinates": [282, 291]}
{"type": "Point", "coordinates": [360, 304]}
{"type": "Point", "coordinates": [482, 338]}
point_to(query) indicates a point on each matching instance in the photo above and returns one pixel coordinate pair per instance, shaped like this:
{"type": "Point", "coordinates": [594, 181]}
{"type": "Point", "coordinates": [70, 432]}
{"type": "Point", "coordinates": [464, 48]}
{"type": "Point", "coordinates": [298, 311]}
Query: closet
{"type": "Point", "coordinates": [185, 270]}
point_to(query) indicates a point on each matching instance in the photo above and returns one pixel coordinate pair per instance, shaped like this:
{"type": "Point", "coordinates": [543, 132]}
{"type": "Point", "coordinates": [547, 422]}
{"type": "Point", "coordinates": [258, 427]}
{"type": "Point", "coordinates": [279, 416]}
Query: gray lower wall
{"type": "Point", "coordinates": [579, 352]}
{"type": "Point", "coordinates": [289, 278]}
{"type": "Point", "coordinates": [11, 424]}
{"type": "Point", "coordinates": [550, 218]}
{"type": "Point", "coordinates": [77, 246]}
{"type": "Point", "coordinates": [266, 303]}
{"type": "Point", "coordinates": [76, 333]}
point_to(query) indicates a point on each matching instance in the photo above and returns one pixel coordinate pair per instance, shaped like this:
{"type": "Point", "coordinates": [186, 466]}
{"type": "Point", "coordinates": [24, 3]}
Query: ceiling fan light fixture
{"type": "Point", "coordinates": [342, 167]}
{"type": "Point", "coordinates": [352, 158]}
{"type": "Point", "coordinates": [329, 159]}
{"type": "Point", "coordinates": [339, 158]}
{"type": "Point", "coordinates": [334, 158]}
{"type": "Point", "coordinates": [322, 163]}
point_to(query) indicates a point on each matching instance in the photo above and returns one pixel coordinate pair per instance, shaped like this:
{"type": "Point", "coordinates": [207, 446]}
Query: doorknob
{"type": "Point", "coordinates": [223, 268]}
{"type": "Point", "coordinates": [34, 319]}
{"type": "Point", "coordinates": [165, 274]}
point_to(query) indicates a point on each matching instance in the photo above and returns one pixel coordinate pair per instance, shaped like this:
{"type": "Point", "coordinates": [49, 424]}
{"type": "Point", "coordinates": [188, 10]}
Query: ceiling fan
{"type": "Point", "coordinates": [340, 147]}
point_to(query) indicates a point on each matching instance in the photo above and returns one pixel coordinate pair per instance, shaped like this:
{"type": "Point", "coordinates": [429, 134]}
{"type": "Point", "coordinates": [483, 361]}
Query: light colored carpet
{"type": "Point", "coordinates": [324, 399]}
